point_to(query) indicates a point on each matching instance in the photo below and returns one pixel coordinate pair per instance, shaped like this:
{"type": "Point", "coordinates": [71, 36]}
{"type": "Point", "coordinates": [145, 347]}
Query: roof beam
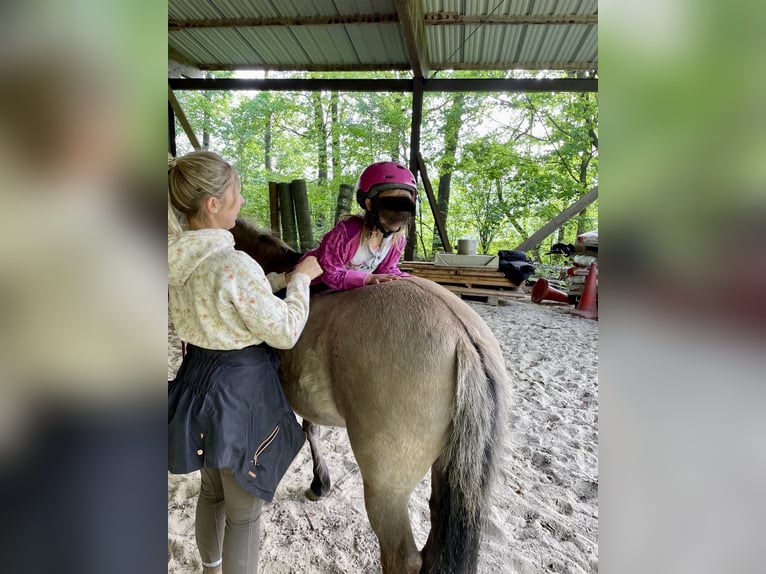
{"type": "Point", "coordinates": [310, 67]}
{"type": "Point", "coordinates": [448, 18]}
{"type": "Point", "coordinates": [569, 66]}
{"type": "Point", "coordinates": [430, 19]}
{"type": "Point", "coordinates": [175, 25]}
{"type": "Point", "coordinates": [365, 85]}
{"type": "Point", "coordinates": [413, 31]}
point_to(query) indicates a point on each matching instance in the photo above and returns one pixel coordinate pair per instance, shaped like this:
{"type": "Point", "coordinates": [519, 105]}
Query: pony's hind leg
{"type": "Point", "coordinates": [390, 521]}
{"type": "Point", "coordinates": [429, 552]}
{"type": "Point", "coordinates": [321, 484]}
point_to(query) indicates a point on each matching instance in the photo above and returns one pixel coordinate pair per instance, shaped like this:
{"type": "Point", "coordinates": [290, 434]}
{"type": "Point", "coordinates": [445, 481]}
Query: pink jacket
{"type": "Point", "coordinates": [338, 248]}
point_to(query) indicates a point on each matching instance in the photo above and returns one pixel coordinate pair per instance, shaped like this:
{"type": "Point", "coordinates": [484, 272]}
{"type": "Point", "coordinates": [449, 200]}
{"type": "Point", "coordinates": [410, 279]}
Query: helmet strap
{"type": "Point", "coordinates": [379, 225]}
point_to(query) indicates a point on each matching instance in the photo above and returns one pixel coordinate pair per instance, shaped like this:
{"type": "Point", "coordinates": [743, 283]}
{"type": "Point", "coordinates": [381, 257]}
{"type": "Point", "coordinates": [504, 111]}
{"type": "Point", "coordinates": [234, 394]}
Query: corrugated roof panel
{"type": "Point", "coordinates": [499, 45]}
{"type": "Point", "coordinates": [188, 47]}
{"type": "Point", "coordinates": [381, 44]}
{"type": "Point", "coordinates": [378, 43]}
{"type": "Point", "coordinates": [589, 50]}
{"type": "Point", "coordinates": [225, 44]}
{"type": "Point", "coordinates": [512, 7]}
{"type": "Point", "coordinates": [582, 45]}
{"type": "Point", "coordinates": [444, 44]}
{"type": "Point", "coordinates": [325, 45]}
{"type": "Point", "coordinates": [306, 8]}
{"type": "Point", "coordinates": [244, 9]}
{"type": "Point", "coordinates": [191, 10]}
{"type": "Point", "coordinates": [276, 45]}
{"type": "Point", "coordinates": [347, 7]}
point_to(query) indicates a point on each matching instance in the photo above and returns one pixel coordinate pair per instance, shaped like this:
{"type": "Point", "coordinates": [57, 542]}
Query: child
{"type": "Point", "coordinates": [365, 250]}
{"type": "Point", "coordinates": [227, 414]}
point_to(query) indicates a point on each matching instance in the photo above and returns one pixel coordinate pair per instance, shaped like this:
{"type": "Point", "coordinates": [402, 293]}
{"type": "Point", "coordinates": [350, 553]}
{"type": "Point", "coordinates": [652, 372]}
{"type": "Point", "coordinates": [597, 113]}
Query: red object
{"type": "Point", "coordinates": [542, 291]}
{"type": "Point", "coordinates": [587, 308]}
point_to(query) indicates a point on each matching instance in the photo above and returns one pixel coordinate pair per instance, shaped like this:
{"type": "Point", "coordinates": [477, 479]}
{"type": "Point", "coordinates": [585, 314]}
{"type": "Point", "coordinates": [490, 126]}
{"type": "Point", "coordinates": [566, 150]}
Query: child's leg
{"type": "Point", "coordinates": [242, 539]}
{"type": "Point", "coordinates": [210, 521]}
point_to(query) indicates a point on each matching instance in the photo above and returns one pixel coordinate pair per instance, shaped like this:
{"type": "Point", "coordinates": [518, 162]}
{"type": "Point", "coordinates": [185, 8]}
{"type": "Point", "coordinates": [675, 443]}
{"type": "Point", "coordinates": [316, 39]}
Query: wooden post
{"type": "Point", "coordinates": [537, 237]}
{"type": "Point", "coordinates": [302, 213]}
{"type": "Point", "coordinates": [182, 119]}
{"type": "Point", "coordinates": [417, 119]}
{"type": "Point", "coordinates": [434, 206]}
{"type": "Point", "coordinates": [171, 131]}
{"type": "Point", "coordinates": [274, 208]}
{"type": "Point", "coordinates": [287, 213]}
{"type": "Point", "coordinates": [345, 197]}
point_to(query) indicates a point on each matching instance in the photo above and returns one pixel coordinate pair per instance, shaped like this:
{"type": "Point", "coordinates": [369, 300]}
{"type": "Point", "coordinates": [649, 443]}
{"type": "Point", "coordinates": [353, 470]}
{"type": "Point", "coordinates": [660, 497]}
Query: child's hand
{"type": "Point", "coordinates": [374, 279]}
{"type": "Point", "coordinates": [309, 266]}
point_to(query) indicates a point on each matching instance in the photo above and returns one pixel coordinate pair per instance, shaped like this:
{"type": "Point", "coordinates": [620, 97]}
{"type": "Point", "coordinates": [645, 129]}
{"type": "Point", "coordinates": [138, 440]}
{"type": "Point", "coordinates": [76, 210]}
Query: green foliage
{"type": "Point", "coordinates": [516, 160]}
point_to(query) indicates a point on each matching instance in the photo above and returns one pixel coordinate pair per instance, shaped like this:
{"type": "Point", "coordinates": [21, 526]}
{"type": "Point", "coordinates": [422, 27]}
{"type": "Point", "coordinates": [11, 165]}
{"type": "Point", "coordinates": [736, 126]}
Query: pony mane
{"type": "Point", "coordinates": [271, 253]}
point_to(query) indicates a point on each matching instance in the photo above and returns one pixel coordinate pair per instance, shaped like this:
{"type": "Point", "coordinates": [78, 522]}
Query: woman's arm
{"type": "Point", "coordinates": [275, 321]}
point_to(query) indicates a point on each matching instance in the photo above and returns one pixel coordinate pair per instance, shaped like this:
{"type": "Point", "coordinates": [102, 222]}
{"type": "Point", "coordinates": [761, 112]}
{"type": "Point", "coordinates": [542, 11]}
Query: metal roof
{"type": "Point", "coordinates": [417, 35]}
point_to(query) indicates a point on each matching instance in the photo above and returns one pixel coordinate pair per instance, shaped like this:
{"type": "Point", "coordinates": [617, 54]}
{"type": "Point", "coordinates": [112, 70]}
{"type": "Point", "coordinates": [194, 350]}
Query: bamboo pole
{"type": "Point", "coordinates": [345, 197]}
{"type": "Point", "coordinates": [302, 213]}
{"type": "Point", "coordinates": [274, 209]}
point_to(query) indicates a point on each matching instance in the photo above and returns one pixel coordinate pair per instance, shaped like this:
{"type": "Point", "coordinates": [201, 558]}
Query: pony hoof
{"type": "Point", "coordinates": [311, 495]}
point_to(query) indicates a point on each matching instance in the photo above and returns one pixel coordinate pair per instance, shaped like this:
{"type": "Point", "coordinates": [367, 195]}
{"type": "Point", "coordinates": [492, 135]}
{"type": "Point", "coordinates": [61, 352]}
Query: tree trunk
{"type": "Point", "coordinates": [287, 214]}
{"type": "Point", "coordinates": [267, 141]}
{"type": "Point", "coordinates": [206, 119]}
{"type": "Point", "coordinates": [453, 122]}
{"type": "Point", "coordinates": [267, 132]}
{"type": "Point", "coordinates": [302, 213]}
{"type": "Point", "coordinates": [345, 198]}
{"type": "Point", "coordinates": [320, 128]}
{"type": "Point", "coordinates": [335, 136]}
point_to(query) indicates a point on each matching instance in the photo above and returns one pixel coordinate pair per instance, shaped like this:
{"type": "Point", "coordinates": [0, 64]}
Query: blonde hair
{"type": "Point", "coordinates": [192, 178]}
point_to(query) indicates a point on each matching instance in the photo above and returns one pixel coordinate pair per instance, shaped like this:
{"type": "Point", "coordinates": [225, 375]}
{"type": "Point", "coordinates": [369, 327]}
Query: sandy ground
{"type": "Point", "coordinates": [544, 508]}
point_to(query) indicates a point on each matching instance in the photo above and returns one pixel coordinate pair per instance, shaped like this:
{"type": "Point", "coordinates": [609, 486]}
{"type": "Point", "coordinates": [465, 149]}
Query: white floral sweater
{"type": "Point", "coordinates": [221, 299]}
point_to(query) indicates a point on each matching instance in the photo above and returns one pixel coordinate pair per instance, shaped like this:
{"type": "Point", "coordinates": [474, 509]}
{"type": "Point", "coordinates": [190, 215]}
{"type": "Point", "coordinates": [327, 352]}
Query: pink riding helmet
{"type": "Point", "coordinates": [384, 175]}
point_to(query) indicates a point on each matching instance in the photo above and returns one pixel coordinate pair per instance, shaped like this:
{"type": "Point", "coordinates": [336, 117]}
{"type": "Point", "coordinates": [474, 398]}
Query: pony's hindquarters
{"type": "Point", "coordinates": [416, 377]}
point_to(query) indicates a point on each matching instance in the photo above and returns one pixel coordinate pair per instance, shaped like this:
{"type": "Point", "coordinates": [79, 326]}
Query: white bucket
{"type": "Point", "coordinates": [466, 246]}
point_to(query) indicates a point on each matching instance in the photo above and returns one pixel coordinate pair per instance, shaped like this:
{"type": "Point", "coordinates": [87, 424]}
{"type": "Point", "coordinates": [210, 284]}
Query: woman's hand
{"type": "Point", "coordinates": [374, 278]}
{"type": "Point", "coordinates": [309, 266]}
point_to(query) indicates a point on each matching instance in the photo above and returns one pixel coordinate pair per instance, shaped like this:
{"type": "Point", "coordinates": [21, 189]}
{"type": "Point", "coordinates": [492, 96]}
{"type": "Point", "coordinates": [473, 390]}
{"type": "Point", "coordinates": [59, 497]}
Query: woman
{"type": "Point", "coordinates": [227, 414]}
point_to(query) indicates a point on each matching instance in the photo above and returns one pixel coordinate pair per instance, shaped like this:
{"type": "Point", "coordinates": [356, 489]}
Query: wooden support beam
{"type": "Point", "coordinates": [413, 30]}
{"type": "Point", "coordinates": [365, 85]}
{"type": "Point", "coordinates": [538, 236]}
{"type": "Point", "coordinates": [171, 131]}
{"type": "Point", "coordinates": [434, 207]}
{"type": "Point", "coordinates": [417, 120]}
{"type": "Point", "coordinates": [274, 209]}
{"type": "Point", "coordinates": [451, 18]}
{"type": "Point", "coordinates": [339, 19]}
{"type": "Point", "coordinates": [414, 12]}
{"type": "Point", "coordinates": [182, 119]}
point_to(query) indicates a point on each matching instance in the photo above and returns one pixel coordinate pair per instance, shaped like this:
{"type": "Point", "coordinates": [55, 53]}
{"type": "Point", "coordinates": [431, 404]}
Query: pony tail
{"type": "Point", "coordinates": [174, 224]}
{"type": "Point", "coordinates": [464, 471]}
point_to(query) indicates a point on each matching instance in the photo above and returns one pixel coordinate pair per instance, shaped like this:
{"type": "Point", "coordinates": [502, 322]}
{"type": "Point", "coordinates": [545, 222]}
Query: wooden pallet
{"type": "Point", "coordinates": [475, 283]}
